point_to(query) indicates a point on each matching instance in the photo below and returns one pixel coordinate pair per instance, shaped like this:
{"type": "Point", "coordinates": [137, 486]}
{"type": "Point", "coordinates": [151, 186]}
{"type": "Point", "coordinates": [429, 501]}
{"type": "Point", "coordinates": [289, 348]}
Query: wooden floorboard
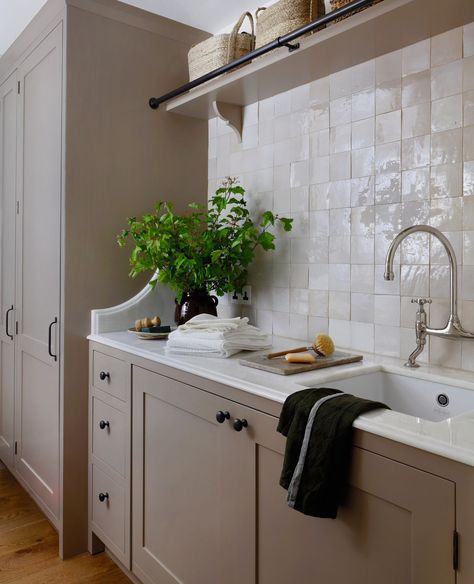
{"type": "Point", "coordinates": [29, 546]}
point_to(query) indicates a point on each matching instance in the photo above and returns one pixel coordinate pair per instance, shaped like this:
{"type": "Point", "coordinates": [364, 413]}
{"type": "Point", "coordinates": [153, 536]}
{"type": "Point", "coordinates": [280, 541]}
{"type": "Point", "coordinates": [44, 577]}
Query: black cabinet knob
{"type": "Point", "coordinates": [239, 424]}
{"type": "Point", "coordinates": [103, 424]}
{"type": "Point", "coordinates": [103, 375]}
{"type": "Point", "coordinates": [221, 416]}
{"type": "Point", "coordinates": [103, 497]}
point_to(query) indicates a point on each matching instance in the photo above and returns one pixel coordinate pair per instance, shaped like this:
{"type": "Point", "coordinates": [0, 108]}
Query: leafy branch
{"type": "Point", "coordinates": [208, 249]}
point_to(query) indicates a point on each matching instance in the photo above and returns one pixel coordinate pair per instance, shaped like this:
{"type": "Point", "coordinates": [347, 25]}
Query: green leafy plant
{"type": "Point", "coordinates": [207, 249]}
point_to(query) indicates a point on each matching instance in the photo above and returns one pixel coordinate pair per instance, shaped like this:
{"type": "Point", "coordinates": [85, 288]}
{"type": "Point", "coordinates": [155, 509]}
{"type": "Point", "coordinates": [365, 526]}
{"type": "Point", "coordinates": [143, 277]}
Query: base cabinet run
{"type": "Point", "coordinates": [180, 495]}
{"type": "Point", "coordinates": [208, 509]}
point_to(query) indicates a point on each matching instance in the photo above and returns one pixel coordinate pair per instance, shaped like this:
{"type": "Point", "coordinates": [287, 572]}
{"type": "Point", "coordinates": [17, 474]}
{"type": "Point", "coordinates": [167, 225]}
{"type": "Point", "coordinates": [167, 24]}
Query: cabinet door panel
{"type": "Point", "coordinates": [8, 96]}
{"type": "Point", "coordinates": [38, 276]}
{"type": "Point", "coordinates": [186, 478]}
{"type": "Point", "coordinates": [395, 526]}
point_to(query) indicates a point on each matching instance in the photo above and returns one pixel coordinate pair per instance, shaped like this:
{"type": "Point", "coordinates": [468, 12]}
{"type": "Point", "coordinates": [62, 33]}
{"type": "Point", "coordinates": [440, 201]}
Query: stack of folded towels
{"type": "Point", "coordinates": [210, 336]}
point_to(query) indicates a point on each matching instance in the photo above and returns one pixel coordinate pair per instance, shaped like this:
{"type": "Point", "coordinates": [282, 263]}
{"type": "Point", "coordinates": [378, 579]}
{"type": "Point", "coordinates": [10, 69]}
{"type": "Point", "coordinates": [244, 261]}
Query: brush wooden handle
{"type": "Point", "coordinates": [282, 353]}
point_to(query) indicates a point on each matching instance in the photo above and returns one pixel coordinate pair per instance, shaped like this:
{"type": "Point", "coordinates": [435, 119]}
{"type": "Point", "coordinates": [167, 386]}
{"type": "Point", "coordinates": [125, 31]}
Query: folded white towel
{"type": "Point", "coordinates": [220, 338]}
{"type": "Point", "coordinates": [208, 322]}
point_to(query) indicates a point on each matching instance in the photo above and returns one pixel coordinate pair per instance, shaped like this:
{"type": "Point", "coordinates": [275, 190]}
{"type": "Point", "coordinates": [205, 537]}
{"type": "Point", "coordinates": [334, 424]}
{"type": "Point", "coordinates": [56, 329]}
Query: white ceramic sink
{"type": "Point", "coordinates": [406, 394]}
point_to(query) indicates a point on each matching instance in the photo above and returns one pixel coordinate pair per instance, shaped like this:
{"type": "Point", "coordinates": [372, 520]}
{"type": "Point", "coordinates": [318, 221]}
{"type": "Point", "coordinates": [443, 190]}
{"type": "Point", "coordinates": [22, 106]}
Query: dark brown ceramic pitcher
{"type": "Point", "coordinates": [194, 303]}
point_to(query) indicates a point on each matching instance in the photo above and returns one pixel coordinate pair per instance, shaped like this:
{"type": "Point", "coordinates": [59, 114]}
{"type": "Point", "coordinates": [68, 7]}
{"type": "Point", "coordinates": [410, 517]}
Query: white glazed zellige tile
{"type": "Point", "coordinates": [446, 147]}
{"type": "Point", "coordinates": [446, 80]}
{"type": "Point", "coordinates": [416, 121]}
{"type": "Point", "coordinates": [416, 57]}
{"type": "Point", "coordinates": [416, 89]}
{"type": "Point", "coordinates": [416, 184]}
{"type": "Point", "coordinates": [388, 157]}
{"type": "Point", "coordinates": [388, 127]}
{"type": "Point", "coordinates": [362, 278]}
{"type": "Point", "coordinates": [446, 113]}
{"type": "Point", "coordinates": [363, 162]}
{"type": "Point", "coordinates": [388, 96]}
{"type": "Point", "coordinates": [447, 47]}
{"type": "Point", "coordinates": [319, 303]}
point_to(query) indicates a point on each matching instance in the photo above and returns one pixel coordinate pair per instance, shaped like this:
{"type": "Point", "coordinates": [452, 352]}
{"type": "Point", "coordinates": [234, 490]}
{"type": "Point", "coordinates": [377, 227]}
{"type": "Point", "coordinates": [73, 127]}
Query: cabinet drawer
{"type": "Point", "coordinates": [110, 432]}
{"type": "Point", "coordinates": [109, 515]}
{"type": "Point", "coordinates": [110, 375]}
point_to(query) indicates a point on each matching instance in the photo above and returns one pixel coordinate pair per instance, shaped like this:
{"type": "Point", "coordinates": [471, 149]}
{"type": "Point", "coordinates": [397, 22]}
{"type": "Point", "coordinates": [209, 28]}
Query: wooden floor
{"type": "Point", "coordinates": [29, 546]}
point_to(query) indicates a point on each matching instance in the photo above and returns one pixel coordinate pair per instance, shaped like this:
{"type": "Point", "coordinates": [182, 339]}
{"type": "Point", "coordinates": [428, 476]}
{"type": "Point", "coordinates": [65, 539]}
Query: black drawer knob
{"type": "Point", "coordinates": [103, 424]}
{"type": "Point", "coordinates": [239, 424]}
{"type": "Point", "coordinates": [104, 375]}
{"type": "Point", "coordinates": [221, 416]}
{"type": "Point", "coordinates": [103, 497]}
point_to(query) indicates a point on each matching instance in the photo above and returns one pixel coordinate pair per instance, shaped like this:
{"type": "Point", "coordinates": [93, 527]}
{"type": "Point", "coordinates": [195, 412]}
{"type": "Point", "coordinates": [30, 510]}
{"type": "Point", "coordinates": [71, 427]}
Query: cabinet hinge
{"type": "Point", "coordinates": [16, 447]}
{"type": "Point", "coordinates": [455, 550]}
{"type": "Point", "coordinates": [16, 327]}
{"type": "Point", "coordinates": [18, 88]}
{"type": "Point", "coordinates": [18, 207]}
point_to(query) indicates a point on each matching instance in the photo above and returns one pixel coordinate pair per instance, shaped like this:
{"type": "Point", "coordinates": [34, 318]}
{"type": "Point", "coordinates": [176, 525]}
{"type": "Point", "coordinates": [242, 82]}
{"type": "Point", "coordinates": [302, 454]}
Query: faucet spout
{"type": "Point", "coordinates": [453, 328]}
{"type": "Point", "coordinates": [453, 268]}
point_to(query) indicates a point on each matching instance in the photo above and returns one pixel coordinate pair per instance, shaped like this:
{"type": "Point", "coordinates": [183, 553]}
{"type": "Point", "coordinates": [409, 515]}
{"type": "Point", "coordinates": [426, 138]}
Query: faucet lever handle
{"type": "Point", "coordinates": [421, 301]}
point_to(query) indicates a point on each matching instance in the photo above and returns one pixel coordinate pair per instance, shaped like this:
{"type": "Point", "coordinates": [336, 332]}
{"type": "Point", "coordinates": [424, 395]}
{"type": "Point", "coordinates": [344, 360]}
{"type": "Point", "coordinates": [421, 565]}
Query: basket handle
{"type": "Point", "coordinates": [235, 31]}
{"type": "Point", "coordinates": [261, 9]}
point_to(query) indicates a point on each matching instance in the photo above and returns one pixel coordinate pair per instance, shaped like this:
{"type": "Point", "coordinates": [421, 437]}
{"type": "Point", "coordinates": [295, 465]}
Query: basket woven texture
{"type": "Point", "coordinates": [221, 49]}
{"type": "Point", "coordinates": [285, 16]}
{"type": "Point", "coordinates": [335, 4]}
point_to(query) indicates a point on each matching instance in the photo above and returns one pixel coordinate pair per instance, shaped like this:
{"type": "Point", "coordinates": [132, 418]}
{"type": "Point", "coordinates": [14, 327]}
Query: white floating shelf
{"type": "Point", "coordinates": [377, 30]}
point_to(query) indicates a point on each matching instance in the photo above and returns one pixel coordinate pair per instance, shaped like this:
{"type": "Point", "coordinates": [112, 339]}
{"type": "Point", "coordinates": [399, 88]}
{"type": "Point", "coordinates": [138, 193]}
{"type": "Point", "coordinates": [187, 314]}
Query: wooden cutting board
{"type": "Point", "coordinates": [281, 366]}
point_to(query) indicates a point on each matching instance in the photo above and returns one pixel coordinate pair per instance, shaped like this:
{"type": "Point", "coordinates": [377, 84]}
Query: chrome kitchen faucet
{"type": "Point", "coordinates": [453, 328]}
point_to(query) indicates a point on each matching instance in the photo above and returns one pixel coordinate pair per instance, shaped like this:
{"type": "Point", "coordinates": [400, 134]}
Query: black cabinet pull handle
{"type": "Point", "coordinates": [221, 416]}
{"type": "Point", "coordinates": [239, 424]}
{"type": "Point", "coordinates": [103, 424]}
{"type": "Point", "coordinates": [103, 497]}
{"type": "Point", "coordinates": [7, 323]}
{"type": "Point", "coordinates": [104, 375]}
{"type": "Point", "coordinates": [50, 336]}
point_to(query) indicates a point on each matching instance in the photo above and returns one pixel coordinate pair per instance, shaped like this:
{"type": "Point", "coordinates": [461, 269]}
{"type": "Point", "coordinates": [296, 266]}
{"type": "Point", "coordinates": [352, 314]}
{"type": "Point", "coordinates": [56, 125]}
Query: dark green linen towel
{"type": "Point", "coordinates": [326, 467]}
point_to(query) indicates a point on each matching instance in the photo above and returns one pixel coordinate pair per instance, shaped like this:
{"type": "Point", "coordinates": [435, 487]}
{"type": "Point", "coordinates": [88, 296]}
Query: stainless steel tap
{"type": "Point", "coordinates": [453, 328]}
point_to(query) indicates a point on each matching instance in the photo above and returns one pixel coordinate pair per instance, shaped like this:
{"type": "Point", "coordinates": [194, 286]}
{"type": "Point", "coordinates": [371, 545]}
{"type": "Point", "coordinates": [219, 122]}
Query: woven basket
{"type": "Point", "coordinates": [285, 16]}
{"type": "Point", "coordinates": [220, 49]}
{"type": "Point", "coordinates": [335, 4]}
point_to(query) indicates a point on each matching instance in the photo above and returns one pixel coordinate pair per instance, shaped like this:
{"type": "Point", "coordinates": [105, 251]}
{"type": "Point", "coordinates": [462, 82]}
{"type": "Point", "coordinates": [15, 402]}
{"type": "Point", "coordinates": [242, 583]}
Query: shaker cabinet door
{"type": "Point", "coordinates": [38, 249]}
{"type": "Point", "coordinates": [8, 105]}
{"type": "Point", "coordinates": [187, 474]}
{"type": "Point", "coordinates": [396, 526]}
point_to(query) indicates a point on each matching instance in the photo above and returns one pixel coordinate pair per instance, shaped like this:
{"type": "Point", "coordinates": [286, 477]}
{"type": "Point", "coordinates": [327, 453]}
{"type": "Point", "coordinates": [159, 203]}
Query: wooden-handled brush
{"type": "Point", "coordinates": [322, 345]}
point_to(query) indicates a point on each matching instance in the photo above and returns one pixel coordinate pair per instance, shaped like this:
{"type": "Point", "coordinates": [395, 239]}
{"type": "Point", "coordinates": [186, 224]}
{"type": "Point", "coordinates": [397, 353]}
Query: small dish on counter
{"type": "Point", "coordinates": [150, 336]}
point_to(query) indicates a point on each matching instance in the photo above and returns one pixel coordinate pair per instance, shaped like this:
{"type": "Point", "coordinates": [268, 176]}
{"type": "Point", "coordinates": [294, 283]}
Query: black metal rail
{"type": "Point", "coordinates": [284, 41]}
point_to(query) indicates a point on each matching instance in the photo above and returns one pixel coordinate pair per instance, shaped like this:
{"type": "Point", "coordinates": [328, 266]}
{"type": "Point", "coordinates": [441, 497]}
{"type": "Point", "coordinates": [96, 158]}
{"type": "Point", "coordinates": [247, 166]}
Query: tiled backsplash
{"type": "Point", "coordinates": [355, 157]}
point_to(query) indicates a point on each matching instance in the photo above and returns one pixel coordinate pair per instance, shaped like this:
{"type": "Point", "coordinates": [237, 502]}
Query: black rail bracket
{"type": "Point", "coordinates": [291, 47]}
{"type": "Point", "coordinates": [154, 103]}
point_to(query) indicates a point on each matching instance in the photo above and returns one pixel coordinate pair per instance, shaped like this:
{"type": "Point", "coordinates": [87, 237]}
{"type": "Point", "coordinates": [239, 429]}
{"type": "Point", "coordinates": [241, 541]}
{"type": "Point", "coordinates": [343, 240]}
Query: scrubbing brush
{"type": "Point", "coordinates": [322, 345]}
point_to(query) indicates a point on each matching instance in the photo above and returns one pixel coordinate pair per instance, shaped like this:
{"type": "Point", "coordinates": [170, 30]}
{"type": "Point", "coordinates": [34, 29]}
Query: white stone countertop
{"type": "Point", "coordinates": [452, 438]}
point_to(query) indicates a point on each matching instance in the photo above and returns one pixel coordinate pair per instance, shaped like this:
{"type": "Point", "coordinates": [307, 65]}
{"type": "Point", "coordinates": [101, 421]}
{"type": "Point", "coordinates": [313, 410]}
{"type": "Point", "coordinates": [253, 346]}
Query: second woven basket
{"type": "Point", "coordinates": [285, 16]}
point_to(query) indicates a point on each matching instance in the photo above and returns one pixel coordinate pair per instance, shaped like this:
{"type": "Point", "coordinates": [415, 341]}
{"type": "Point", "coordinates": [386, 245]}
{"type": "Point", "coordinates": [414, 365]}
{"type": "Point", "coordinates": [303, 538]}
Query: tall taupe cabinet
{"type": "Point", "coordinates": [80, 150]}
